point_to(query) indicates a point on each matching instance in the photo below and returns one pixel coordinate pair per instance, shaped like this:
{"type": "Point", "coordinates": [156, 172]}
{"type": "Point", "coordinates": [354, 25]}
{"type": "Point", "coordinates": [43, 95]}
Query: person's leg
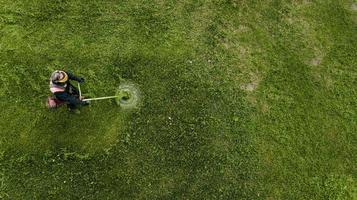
{"type": "Point", "coordinates": [71, 106]}
{"type": "Point", "coordinates": [72, 101]}
{"type": "Point", "coordinates": [73, 109]}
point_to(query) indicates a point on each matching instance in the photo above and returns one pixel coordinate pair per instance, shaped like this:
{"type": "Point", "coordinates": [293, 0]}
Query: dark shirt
{"type": "Point", "coordinates": [67, 97]}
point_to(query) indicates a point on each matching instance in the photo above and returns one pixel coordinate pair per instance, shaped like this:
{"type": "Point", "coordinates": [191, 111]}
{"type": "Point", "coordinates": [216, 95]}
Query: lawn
{"type": "Point", "coordinates": [239, 99]}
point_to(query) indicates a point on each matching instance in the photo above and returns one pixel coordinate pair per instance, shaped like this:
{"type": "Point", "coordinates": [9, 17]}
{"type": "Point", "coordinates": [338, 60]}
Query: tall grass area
{"type": "Point", "coordinates": [239, 99]}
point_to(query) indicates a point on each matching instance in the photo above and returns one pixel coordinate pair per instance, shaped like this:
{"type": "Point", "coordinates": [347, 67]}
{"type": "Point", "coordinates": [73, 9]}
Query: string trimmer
{"type": "Point", "coordinates": [126, 96]}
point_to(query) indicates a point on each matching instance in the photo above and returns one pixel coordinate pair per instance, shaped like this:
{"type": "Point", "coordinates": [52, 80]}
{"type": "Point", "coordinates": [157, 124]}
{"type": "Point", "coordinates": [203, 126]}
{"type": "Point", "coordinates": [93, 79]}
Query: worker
{"type": "Point", "coordinates": [64, 91]}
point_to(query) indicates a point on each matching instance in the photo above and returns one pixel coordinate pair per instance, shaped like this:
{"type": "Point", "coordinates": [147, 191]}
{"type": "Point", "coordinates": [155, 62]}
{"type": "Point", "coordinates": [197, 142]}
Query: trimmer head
{"type": "Point", "coordinates": [127, 96]}
{"type": "Point", "coordinates": [123, 96]}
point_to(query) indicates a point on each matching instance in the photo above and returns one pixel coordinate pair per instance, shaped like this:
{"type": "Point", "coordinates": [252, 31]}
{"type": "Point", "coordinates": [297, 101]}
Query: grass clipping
{"type": "Point", "coordinates": [128, 96]}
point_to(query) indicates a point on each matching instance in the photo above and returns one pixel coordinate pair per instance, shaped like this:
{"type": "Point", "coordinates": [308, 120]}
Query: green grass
{"type": "Point", "coordinates": [239, 99]}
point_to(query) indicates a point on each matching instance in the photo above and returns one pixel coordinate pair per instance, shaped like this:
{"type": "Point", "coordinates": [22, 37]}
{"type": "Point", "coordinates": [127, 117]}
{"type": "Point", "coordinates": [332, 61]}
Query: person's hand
{"type": "Point", "coordinates": [81, 80]}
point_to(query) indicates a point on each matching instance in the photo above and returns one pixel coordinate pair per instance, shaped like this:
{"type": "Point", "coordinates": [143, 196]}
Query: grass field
{"type": "Point", "coordinates": [240, 99]}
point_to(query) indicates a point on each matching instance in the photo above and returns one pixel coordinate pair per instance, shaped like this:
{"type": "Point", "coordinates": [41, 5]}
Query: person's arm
{"type": "Point", "coordinates": [76, 78]}
{"type": "Point", "coordinates": [64, 96]}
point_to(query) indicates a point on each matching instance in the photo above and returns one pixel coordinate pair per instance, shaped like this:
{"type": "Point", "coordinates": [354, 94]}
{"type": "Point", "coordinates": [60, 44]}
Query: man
{"type": "Point", "coordinates": [64, 90]}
